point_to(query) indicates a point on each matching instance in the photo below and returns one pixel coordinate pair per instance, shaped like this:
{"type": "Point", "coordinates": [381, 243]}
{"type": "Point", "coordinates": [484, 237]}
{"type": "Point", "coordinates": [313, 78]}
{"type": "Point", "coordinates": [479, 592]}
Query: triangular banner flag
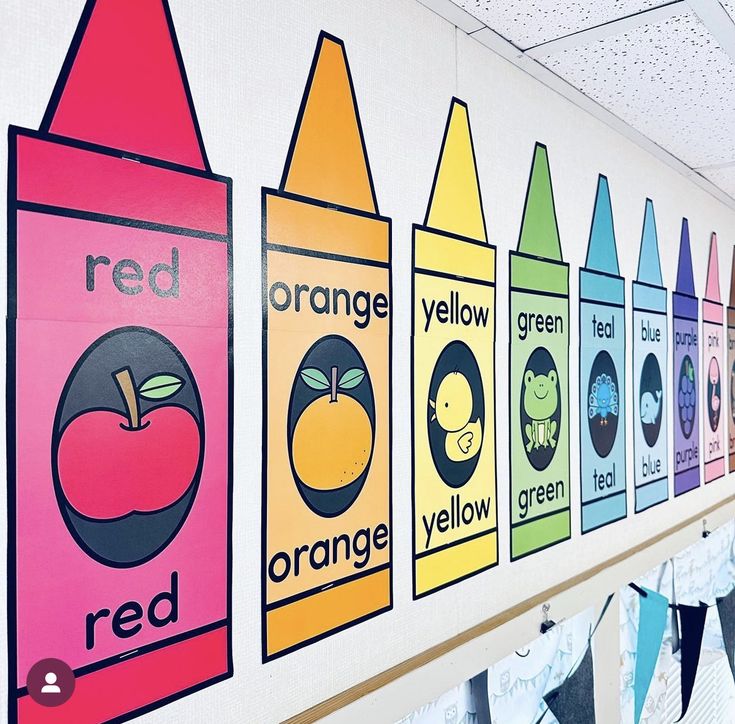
{"type": "Point", "coordinates": [602, 252]}
{"type": "Point", "coordinates": [726, 609]}
{"type": "Point", "coordinates": [327, 158]}
{"type": "Point", "coordinates": [574, 701]}
{"type": "Point", "coordinates": [455, 205]}
{"type": "Point", "coordinates": [106, 93]}
{"type": "Point", "coordinates": [539, 230]}
{"type": "Point", "coordinates": [692, 630]}
{"type": "Point", "coordinates": [654, 610]}
{"type": "Point", "coordinates": [480, 698]}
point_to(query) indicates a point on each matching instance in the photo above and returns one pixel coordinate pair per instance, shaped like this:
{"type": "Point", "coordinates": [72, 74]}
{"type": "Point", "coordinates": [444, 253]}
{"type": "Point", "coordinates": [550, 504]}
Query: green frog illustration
{"type": "Point", "coordinates": [540, 401]}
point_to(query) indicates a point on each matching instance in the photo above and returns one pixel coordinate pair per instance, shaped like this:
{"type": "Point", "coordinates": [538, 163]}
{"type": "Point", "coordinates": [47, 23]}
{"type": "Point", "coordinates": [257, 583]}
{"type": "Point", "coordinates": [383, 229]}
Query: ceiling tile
{"type": "Point", "coordinates": [729, 5]}
{"type": "Point", "coordinates": [670, 80]}
{"type": "Point", "coordinates": [529, 22]}
{"type": "Point", "coordinates": [722, 177]}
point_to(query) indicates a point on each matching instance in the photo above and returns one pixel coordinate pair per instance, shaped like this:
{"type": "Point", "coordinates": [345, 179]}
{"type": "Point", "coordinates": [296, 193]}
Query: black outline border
{"type": "Point", "coordinates": [265, 246]}
{"type": "Point", "coordinates": [559, 262]}
{"type": "Point", "coordinates": [11, 375]}
{"type": "Point", "coordinates": [418, 270]}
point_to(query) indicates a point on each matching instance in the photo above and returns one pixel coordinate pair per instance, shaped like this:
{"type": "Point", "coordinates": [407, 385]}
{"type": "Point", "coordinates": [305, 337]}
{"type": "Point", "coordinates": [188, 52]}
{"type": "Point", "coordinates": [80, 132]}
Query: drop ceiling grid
{"type": "Point", "coordinates": [531, 22]}
{"type": "Point", "coordinates": [670, 80]}
{"type": "Point", "coordinates": [724, 178]}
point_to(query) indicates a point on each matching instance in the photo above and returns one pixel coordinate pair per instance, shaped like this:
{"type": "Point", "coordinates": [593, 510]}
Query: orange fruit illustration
{"type": "Point", "coordinates": [332, 442]}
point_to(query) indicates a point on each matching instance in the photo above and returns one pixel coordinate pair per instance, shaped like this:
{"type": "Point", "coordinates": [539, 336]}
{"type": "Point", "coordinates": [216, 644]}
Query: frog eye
{"type": "Point", "coordinates": [552, 377]}
{"type": "Point", "coordinates": [528, 379]}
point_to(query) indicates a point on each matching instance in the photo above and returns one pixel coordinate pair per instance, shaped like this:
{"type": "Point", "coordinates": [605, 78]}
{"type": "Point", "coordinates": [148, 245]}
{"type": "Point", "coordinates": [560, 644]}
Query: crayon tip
{"type": "Point", "coordinates": [456, 202]}
{"type": "Point", "coordinates": [649, 262]}
{"type": "Point", "coordinates": [123, 85]}
{"type": "Point", "coordinates": [712, 292]}
{"type": "Point", "coordinates": [327, 159]}
{"type": "Point", "coordinates": [602, 252]}
{"type": "Point", "coordinates": [539, 231]}
{"type": "Point", "coordinates": [684, 273]}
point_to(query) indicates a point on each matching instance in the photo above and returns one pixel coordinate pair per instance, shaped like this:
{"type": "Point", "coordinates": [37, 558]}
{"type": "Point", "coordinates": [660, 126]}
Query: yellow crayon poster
{"type": "Point", "coordinates": [326, 357]}
{"type": "Point", "coordinates": [453, 360]}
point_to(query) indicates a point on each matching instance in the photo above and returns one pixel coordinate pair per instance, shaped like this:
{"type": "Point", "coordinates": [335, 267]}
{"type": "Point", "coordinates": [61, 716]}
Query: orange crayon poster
{"type": "Point", "coordinates": [326, 358]}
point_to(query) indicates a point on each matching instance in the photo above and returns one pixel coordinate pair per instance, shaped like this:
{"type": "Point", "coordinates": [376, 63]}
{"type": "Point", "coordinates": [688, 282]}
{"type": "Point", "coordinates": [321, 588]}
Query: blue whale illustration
{"type": "Point", "coordinates": [650, 406]}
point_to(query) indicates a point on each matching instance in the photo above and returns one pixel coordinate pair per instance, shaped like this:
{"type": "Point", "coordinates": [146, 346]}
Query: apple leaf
{"type": "Point", "coordinates": [351, 379]}
{"type": "Point", "coordinates": [160, 387]}
{"type": "Point", "coordinates": [315, 378]}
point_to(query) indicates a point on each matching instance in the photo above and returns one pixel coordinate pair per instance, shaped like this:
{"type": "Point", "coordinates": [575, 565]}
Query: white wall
{"type": "Point", "coordinates": [247, 63]}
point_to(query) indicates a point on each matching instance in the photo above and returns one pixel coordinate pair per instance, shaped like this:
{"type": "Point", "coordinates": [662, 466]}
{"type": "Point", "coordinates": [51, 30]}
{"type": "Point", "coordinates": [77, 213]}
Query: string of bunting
{"type": "Point", "coordinates": [688, 632]}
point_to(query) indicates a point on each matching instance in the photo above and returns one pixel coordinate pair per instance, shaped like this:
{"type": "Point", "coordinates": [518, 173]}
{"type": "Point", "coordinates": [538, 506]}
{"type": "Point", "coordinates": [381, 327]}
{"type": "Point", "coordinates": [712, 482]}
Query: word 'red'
{"type": "Point", "coordinates": [128, 276]}
{"type": "Point", "coordinates": [127, 620]}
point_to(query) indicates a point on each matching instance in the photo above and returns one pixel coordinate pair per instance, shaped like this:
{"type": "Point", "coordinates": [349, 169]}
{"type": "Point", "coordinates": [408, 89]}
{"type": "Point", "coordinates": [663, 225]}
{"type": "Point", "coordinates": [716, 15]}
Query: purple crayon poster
{"type": "Point", "coordinates": [685, 371]}
{"type": "Point", "coordinates": [713, 442]}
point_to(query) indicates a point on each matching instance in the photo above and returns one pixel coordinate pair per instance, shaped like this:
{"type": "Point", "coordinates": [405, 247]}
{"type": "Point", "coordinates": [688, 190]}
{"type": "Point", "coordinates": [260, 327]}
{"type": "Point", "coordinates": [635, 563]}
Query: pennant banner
{"type": "Point", "coordinates": [686, 372]}
{"type": "Point", "coordinates": [574, 701]}
{"type": "Point", "coordinates": [650, 363]}
{"type": "Point", "coordinates": [713, 443]}
{"type": "Point", "coordinates": [653, 613]}
{"type": "Point", "coordinates": [453, 357]}
{"type": "Point", "coordinates": [539, 374]}
{"type": "Point", "coordinates": [691, 619]}
{"type": "Point", "coordinates": [726, 610]}
{"type": "Point", "coordinates": [327, 353]}
{"type": "Point", "coordinates": [602, 372]}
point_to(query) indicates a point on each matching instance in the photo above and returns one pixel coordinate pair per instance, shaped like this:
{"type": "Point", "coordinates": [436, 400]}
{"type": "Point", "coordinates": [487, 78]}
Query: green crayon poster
{"type": "Point", "coordinates": [539, 373]}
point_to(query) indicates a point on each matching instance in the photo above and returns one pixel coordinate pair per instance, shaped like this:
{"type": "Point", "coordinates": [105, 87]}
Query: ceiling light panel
{"type": "Point", "coordinates": [526, 23]}
{"type": "Point", "coordinates": [670, 80]}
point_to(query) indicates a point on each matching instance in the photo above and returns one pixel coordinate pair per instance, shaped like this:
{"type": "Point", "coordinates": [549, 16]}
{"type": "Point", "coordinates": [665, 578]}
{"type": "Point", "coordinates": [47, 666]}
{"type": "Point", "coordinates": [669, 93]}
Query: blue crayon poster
{"type": "Point", "coordinates": [686, 371]}
{"type": "Point", "coordinates": [602, 372]}
{"type": "Point", "coordinates": [650, 362]}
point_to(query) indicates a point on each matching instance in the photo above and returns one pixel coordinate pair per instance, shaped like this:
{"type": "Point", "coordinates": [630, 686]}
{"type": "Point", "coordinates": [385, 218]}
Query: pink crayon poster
{"type": "Point", "coordinates": [713, 442]}
{"type": "Point", "coordinates": [119, 384]}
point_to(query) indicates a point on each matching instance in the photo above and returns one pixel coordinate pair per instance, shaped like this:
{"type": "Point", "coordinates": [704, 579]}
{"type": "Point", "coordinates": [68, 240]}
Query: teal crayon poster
{"type": "Point", "coordinates": [602, 372]}
{"type": "Point", "coordinates": [539, 373]}
{"type": "Point", "coordinates": [650, 364]}
{"type": "Point", "coordinates": [686, 371]}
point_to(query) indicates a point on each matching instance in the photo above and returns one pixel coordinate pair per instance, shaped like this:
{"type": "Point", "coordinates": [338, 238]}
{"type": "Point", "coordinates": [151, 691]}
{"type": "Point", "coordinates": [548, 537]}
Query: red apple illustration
{"type": "Point", "coordinates": [110, 464]}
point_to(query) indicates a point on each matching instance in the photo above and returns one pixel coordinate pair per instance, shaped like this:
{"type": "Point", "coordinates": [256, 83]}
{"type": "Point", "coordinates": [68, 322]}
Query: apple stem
{"type": "Point", "coordinates": [333, 388]}
{"type": "Point", "coordinates": [126, 386]}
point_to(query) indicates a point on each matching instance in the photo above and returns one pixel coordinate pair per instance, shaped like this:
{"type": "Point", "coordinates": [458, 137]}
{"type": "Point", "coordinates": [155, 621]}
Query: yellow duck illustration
{"type": "Point", "coordinates": [452, 411]}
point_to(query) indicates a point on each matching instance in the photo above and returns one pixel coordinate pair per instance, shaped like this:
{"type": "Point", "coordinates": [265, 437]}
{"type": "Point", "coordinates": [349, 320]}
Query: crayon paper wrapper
{"type": "Point", "coordinates": [713, 442]}
{"type": "Point", "coordinates": [59, 319]}
{"type": "Point", "coordinates": [453, 365]}
{"type": "Point", "coordinates": [340, 500]}
{"type": "Point", "coordinates": [650, 396]}
{"type": "Point", "coordinates": [602, 401]}
{"type": "Point", "coordinates": [685, 396]}
{"type": "Point", "coordinates": [539, 404]}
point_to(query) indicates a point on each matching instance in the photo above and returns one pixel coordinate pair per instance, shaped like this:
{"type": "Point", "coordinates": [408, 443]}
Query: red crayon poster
{"type": "Point", "coordinates": [119, 384]}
